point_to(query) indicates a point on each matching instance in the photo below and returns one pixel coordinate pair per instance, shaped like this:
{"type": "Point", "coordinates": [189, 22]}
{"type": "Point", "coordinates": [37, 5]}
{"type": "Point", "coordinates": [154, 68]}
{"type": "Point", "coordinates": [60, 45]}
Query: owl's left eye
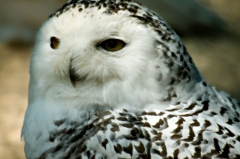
{"type": "Point", "coordinates": [112, 45]}
{"type": "Point", "coordinates": [54, 42]}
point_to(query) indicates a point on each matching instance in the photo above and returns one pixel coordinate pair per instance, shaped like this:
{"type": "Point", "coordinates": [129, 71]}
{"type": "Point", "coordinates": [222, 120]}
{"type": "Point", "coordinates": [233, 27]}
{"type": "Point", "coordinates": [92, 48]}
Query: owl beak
{"type": "Point", "coordinates": [74, 83]}
{"type": "Point", "coordinates": [73, 77]}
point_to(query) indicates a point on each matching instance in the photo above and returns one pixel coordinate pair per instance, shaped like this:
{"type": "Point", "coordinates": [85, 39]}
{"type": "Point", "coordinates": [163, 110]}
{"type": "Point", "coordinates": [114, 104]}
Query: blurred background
{"type": "Point", "coordinates": [210, 30]}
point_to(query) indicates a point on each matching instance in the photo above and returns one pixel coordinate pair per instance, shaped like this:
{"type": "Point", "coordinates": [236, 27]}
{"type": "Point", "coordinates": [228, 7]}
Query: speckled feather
{"type": "Point", "coordinates": [188, 118]}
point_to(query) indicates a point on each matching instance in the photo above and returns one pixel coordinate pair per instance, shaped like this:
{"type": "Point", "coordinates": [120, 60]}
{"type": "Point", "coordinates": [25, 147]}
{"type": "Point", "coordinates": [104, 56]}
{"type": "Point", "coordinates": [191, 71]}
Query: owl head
{"type": "Point", "coordinates": [110, 50]}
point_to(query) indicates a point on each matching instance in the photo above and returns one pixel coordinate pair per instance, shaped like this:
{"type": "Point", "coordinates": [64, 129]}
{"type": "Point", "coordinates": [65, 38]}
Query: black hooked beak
{"type": "Point", "coordinates": [73, 74]}
{"type": "Point", "coordinates": [73, 77]}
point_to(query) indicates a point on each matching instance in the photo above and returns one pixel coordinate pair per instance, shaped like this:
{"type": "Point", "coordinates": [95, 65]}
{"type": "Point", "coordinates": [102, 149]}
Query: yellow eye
{"type": "Point", "coordinates": [112, 45]}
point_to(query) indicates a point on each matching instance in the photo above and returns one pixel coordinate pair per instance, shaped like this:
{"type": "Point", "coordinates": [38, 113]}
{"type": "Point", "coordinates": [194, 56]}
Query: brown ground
{"type": "Point", "coordinates": [217, 59]}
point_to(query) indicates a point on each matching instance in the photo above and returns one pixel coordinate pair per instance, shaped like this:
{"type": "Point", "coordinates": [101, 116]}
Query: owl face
{"type": "Point", "coordinates": [90, 55]}
{"type": "Point", "coordinates": [101, 51]}
{"type": "Point", "coordinates": [91, 45]}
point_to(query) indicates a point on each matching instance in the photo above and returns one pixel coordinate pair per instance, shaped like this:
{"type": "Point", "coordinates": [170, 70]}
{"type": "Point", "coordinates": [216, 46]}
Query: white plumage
{"type": "Point", "coordinates": [110, 79]}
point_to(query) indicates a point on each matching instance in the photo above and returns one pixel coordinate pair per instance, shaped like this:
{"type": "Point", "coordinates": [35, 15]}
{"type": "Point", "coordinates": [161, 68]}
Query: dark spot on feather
{"type": "Point", "coordinates": [115, 127]}
{"type": "Point", "coordinates": [158, 124]}
{"type": "Point", "coordinates": [207, 123]}
{"type": "Point", "coordinates": [176, 136]}
{"type": "Point", "coordinates": [122, 118]}
{"type": "Point", "coordinates": [176, 153]}
{"type": "Point", "coordinates": [103, 114]}
{"type": "Point", "coordinates": [59, 147]}
{"type": "Point", "coordinates": [118, 148]}
{"type": "Point", "coordinates": [128, 149]}
{"type": "Point", "coordinates": [173, 110]}
{"type": "Point", "coordinates": [147, 135]}
{"type": "Point", "coordinates": [180, 121]}
{"type": "Point", "coordinates": [191, 106]}
{"type": "Point", "coordinates": [190, 60]}
{"type": "Point", "coordinates": [186, 145]}
{"type": "Point", "coordinates": [59, 122]}
{"type": "Point", "coordinates": [144, 113]}
{"type": "Point", "coordinates": [104, 143]}
{"type": "Point", "coordinates": [125, 110]}
{"type": "Point", "coordinates": [154, 151]}
{"type": "Point", "coordinates": [130, 137]}
{"type": "Point", "coordinates": [171, 116]}
{"type": "Point", "coordinates": [146, 124]}
{"type": "Point", "coordinates": [205, 105]}
{"type": "Point", "coordinates": [238, 138]}
{"type": "Point", "coordinates": [166, 122]}
{"type": "Point", "coordinates": [225, 152]}
{"type": "Point", "coordinates": [152, 113]}
{"type": "Point", "coordinates": [168, 98]}
{"type": "Point", "coordinates": [172, 81]}
{"type": "Point", "coordinates": [164, 150]}
{"type": "Point", "coordinates": [195, 123]}
{"type": "Point", "coordinates": [88, 153]}
{"type": "Point", "coordinates": [178, 129]}
{"type": "Point", "coordinates": [216, 145]}
{"type": "Point", "coordinates": [213, 113]}
{"type": "Point", "coordinates": [199, 98]}
{"type": "Point", "coordinates": [197, 153]}
{"type": "Point", "coordinates": [148, 147]}
{"type": "Point", "coordinates": [223, 110]}
{"type": "Point", "coordinates": [220, 130]}
{"type": "Point", "coordinates": [230, 122]}
{"type": "Point", "coordinates": [205, 84]}
{"type": "Point", "coordinates": [52, 138]}
{"type": "Point", "coordinates": [191, 135]}
{"type": "Point", "coordinates": [140, 148]}
{"type": "Point", "coordinates": [157, 137]}
{"type": "Point", "coordinates": [236, 119]}
{"type": "Point", "coordinates": [132, 119]}
{"type": "Point", "coordinates": [134, 131]}
{"type": "Point", "coordinates": [140, 135]}
{"type": "Point", "coordinates": [161, 113]}
{"type": "Point", "coordinates": [143, 155]}
{"type": "Point", "coordinates": [229, 133]}
{"type": "Point", "coordinates": [133, 10]}
{"type": "Point", "coordinates": [127, 125]}
{"type": "Point", "coordinates": [199, 139]}
{"type": "Point", "coordinates": [154, 132]}
{"type": "Point", "coordinates": [123, 114]}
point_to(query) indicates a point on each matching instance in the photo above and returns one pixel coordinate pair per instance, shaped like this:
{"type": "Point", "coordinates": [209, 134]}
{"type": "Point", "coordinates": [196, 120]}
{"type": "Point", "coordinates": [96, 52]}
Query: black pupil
{"type": "Point", "coordinates": [112, 43]}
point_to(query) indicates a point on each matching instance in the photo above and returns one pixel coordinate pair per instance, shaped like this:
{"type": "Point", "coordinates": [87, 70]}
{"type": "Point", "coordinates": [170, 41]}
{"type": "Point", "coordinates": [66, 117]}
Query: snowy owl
{"type": "Point", "coordinates": [110, 79]}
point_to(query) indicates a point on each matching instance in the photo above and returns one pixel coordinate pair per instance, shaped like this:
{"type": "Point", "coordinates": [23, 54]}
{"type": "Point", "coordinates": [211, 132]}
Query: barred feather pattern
{"type": "Point", "coordinates": [188, 129]}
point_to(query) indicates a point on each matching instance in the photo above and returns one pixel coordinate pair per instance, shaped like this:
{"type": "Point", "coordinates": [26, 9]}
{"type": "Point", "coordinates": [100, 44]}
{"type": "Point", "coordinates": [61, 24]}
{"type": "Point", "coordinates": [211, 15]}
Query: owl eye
{"type": "Point", "coordinates": [112, 45]}
{"type": "Point", "coordinates": [54, 42]}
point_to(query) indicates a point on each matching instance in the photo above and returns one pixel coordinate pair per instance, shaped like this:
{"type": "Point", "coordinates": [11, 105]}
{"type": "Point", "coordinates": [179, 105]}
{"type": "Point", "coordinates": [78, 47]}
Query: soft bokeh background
{"type": "Point", "coordinates": [216, 53]}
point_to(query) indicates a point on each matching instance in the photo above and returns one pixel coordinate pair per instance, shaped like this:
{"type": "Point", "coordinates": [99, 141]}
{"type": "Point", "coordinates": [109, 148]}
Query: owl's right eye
{"type": "Point", "coordinates": [54, 42]}
{"type": "Point", "coordinates": [112, 45]}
